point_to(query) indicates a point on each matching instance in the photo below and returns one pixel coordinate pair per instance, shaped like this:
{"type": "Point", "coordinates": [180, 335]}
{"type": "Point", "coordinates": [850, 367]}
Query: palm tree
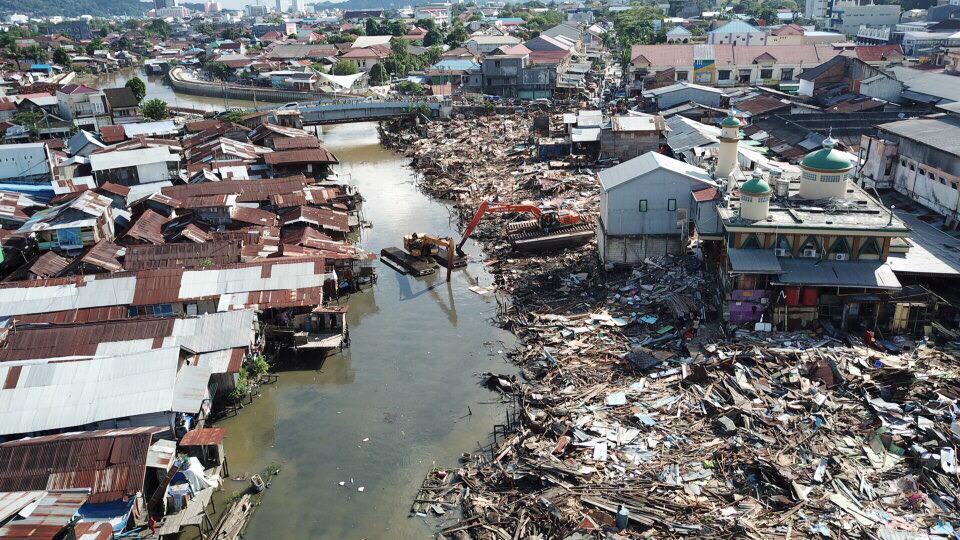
{"type": "Point", "coordinates": [14, 53]}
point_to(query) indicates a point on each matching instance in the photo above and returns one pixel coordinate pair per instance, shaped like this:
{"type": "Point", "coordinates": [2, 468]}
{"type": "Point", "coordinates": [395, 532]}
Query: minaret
{"type": "Point", "coordinates": [729, 138]}
{"type": "Point", "coordinates": [755, 198]}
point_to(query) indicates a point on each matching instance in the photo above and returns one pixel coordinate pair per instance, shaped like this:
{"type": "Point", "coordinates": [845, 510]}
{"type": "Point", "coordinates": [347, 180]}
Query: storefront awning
{"type": "Point", "coordinates": [818, 273]}
{"type": "Point", "coordinates": [753, 261]}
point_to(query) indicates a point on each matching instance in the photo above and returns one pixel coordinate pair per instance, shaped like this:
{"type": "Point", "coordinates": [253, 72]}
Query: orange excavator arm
{"type": "Point", "coordinates": [487, 208]}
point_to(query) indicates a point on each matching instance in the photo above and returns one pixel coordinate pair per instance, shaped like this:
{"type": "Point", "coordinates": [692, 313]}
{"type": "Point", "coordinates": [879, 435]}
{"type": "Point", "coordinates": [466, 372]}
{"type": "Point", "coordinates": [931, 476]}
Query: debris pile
{"type": "Point", "coordinates": [633, 413]}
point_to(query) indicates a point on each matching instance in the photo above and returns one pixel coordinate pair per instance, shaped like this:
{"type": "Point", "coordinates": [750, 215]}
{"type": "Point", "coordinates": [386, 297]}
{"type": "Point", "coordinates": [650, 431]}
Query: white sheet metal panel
{"type": "Point", "coordinates": [214, 331]}
{"type": "Point", "coordinates": [216, 361]}
{"type": "Point", "coordinates": [68, 394]}
{"type": "Point", "coordinates": [92, 293]}
{"type": "Point", "coordinates": [190, 389]}
{"type": "Point", "coordinates": [203, 283]}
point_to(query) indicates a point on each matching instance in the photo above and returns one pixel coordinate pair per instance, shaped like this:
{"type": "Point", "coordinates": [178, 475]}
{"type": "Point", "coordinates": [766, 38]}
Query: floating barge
{"type": "Point", "coordinates": [527, 237]}
{"type": "Point", "coordinates": [406, 263]}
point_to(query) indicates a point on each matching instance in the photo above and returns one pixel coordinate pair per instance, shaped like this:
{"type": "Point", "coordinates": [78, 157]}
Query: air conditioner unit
{"type": "Point", "coordinates": [781, 252]}
{"type": "Point", "coordinates": [810, 253]}
{"type": "Point", "coordinates": [841, 256]}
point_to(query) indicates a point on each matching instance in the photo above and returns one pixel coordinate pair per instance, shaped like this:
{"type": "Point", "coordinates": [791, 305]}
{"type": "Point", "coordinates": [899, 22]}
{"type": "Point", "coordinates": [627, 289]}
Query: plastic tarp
{"type": "Point", "coordinates": [343, 81]}
{"type": "Point", "coordinates": [116, 512]}
{"type": "Point", "coordinates": [193, 475]}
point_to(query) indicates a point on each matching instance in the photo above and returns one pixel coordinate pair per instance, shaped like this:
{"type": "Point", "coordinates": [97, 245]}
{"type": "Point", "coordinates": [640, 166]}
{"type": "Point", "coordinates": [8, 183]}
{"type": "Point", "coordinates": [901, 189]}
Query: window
{"type": "Point", "coordinates": [681, 75]}
{"type": "Point", "coordinates": [786, 74]}
{"type": "Point", "coordinates": [723, 75]}
{"type": "Point", "coordinates": [671, 205]}
{"type": "Point", "coordinates": [922, 172]}
{"type": "Point", "coordinates": [810, 248]}
{"type": "Point", "coordinates": [932, 176]}
{"type": "Point", "coordinates": [840, 250]}
{"type": "Point", "coordinates": [953, 185]}
{"type": "Point", "coordinates": [151, 310]}
{"type": "Point", "coordinates": [903, 163]}
{"type": "Point", "coordinates": [782, 246]}
{"type": "Point", "coordinates": [643, 205]}
{"type": "Point", "coordinates": [912, 168]}
{"type": "Point", "coordinates": [766, 73]}
{"type": "Point", "coordinates": [869, 250]}
{"type": "Point", "coordinates": [752, 241]}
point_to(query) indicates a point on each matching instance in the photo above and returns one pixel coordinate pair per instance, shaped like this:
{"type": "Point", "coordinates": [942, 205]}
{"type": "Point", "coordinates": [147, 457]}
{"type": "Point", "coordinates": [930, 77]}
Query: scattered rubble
{"type": "Point", "coordinates": [635, 412]}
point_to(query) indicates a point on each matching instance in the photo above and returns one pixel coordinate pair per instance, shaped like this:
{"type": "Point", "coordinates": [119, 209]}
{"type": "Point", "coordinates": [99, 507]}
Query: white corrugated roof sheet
{"type": "Point", "coordinates": [91, 293]}
{"type": "Point", "coordinates": [130, 158]}
{"type": "Point", "coordinates": [66, 394]}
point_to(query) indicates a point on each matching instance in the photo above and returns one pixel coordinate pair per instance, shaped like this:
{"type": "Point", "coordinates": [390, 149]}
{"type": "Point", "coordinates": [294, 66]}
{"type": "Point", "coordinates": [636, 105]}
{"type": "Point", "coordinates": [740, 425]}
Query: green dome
{"type": "Point", "coordinates": [730, 122]}
{"type": "Point", "coordinates": [827, 158]}
{"type": "Point", "coordinates": [756, 186]}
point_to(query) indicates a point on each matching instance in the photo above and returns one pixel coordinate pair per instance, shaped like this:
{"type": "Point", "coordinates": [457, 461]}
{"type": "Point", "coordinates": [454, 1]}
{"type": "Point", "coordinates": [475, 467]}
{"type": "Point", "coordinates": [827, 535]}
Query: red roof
{"type": "Point", "coordinates": [879, 53]}
{"type": "Point", "coordinates": [148, 227]}
{"type": "Point", "coordinates": [203, 437]}
{"type": "Point", "coordinates": [323, 218]}
{"type": "Point", "coordinates": [705, 195]}
{"type": "Point", "coordinates": [247, 190]}
{"type": "Point", "coordinates": [113, 134]}
{"type": "Point", "coordinates": [300, 156]}
{"type": "Point", "coordinates": [78, 89]}
{"type": "Point", "coordinates": [254, 216]}
{"type": "Point", "coordinates": [111, 462]}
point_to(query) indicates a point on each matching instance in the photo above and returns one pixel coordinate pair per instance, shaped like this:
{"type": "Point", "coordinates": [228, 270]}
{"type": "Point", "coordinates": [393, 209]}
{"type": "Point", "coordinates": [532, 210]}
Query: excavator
{"type": "Point", "coordinates": [548, 230]}
{"type": "Point", "coordinates": [427, 246]}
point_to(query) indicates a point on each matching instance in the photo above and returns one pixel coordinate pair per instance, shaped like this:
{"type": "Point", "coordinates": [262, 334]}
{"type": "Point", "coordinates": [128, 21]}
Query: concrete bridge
{"type": "Point", "coordinates": [369, 110]}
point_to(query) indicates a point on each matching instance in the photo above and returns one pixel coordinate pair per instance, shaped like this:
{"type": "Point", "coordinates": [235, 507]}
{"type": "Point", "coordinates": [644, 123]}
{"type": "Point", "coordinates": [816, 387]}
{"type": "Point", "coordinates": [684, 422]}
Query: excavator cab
{"type": "Point", "coordinates": [414, 245]}
{"type": "Point", "coordinates": [549, 220]}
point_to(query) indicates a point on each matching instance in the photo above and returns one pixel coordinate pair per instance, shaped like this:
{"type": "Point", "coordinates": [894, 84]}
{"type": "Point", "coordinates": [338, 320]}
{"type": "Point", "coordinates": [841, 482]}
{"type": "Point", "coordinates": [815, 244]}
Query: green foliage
{"type": "Point", "coordinates": [30, 120]}
{"type": "Point", "coordinates": [243, 384]}
{"type": "Point", "coordinates": [159, 27]}
{"type": "Point", "coordinates": [73, 8]}
{"type": "Point", "coordinates": [341, 38]}
{"type": "Point", "coordinates": [636, 25]}
{"type": "Point", "coordinates": [219, 70]}
{"type": "Point", "coordinates": [233, 33]}
{"type": "Point", "coordinates": [372, 27]}
{"type": "Point", "coordinates": [233, 117]}
{"type": "Point", "coordinates": [155, 109]}
{"type": "Point", "coordinates": [426, 24]}
{"type": "Point", "coordinates": [378, 74]}
{"type": "Point", "coordinates": [61, 56]}
{"type": "Point", "coordinates": [138, 87]}
{"type": "Point", "coordinates": [541, 21]}
{"type": "Point", "coordinates": [345, 67]}
{"type": "Point", "coordinates": [431, 56]}
{"type": "Point", "coordinates": [433, 37]}
{"type": "Point", "coordinates": [36, 53]}
{"type": "Point", "coordinates": [410, 88]}
{"type": "Point", "coordinates": [457, 35]}
{"type": "Point", "coordinates": [259, 366]}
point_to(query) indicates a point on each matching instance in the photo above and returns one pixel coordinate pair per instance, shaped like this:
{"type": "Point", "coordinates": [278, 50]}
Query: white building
{"type": "Point", "coordinates": [133, 167]}
{"type": "Point", "coordinates": [646, 206]}
{"type": "Point", "coordinates": [439, 13]}
{"type": "Point", "coordinates": [737, 33]}
{"type": "Point", "coordinates": [847, 16]}
{"type": "Point", "coordinates": [27, 162]}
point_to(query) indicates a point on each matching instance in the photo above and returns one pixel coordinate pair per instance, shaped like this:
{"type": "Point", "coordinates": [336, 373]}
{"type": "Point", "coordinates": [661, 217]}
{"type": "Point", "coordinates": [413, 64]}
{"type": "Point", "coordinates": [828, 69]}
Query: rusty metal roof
{"type": "Point", "coordinates": [148, 227]}
{"type": "Point", "coordinates": [71, 316]}
{"type": "Point", "coordinates": [324, 218]}
{"type": "Point", "coordinates": [246, 190]}
{"type": "Point", "coordinates": [54, 510]}
{"type": "Point", "coordinates": [104, 255]}
{"type": "Point", "coordinates": [253, 216]}
{"type": "Point", "coordinates": [291, 143]}
{"type": "Point", "coordinates": [49, 265]}
{"type": "Point", "coordinates": [301, 156]}
{"type": "Point", "coordinates": [203, 437]}
{"type": "Point", "coordinates": [111, 462]}
{"type": "Point", "coordinates": [183, 255]}
{"type": "Point", "coordinates": [81, 340]}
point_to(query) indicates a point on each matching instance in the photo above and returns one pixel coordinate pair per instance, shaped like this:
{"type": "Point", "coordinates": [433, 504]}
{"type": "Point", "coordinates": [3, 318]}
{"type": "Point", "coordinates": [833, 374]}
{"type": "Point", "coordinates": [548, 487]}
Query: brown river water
{"type": "Point", "coordinates": [392, 406]}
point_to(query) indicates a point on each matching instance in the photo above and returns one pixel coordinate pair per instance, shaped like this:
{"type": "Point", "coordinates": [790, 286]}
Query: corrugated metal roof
{"type": "Point", "coordinates": [247, 190]}
{"type": "Point", "coordinates": [253, 216]}
{"type": "Point", "coordinates": [12, 502]}
{"type": "Point", "coordinates": [331, 220]}
{"type": "Point", "coordinates": [203, 437]}
{"type": "Point", "coordinates": [49, 265]}
{"type": "Point", "coordinates": [148, 227]}
{"type": "Point", "coordinates": [63, 294]}
{"type": "Point", "coordinates": [820, 273]}
{"type": "Point", "coordinates": [47, 520]}
{"type": "Point", "coordinates": [300, 156]}
{"type": "Point", "coordinates": [102, 161]}
{"type": "Point", "coordinates": [110, 462]}
{"type": "Point", "coordinates": [104, 255]}
{"type": "Point", "coordinates": [182, 255]}
{"type": "Point", "coordinates": [649, 163]}
{"type": "Point", "coordinates": [753, 261]}
{"type": "Point", "coordinates": [40, 396]}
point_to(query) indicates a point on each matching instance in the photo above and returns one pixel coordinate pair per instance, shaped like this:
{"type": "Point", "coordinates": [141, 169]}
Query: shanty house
{"type": "Point", "coordinates": [645, 207]}
{"type": "Point", "coordinates": [133, 167]}
{"type": "Point", "coordinates": [71, 226]}
{"type": "Point", "coordinates": [630, 136]}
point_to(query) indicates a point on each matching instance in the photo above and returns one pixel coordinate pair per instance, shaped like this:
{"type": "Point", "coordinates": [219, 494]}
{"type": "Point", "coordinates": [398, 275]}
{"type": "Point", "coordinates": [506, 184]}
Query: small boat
{"type": "Point", "coordinates": [257, 483]}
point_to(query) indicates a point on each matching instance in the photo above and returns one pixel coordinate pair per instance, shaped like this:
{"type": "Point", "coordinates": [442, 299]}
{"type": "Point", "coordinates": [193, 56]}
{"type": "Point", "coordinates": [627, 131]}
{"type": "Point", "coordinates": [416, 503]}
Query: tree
{"type": "Point", "coordinates": [219, 70]}
{"type": "Point", "coordinates": [396, 28]}
{"type": "Point", "coordinates": [345, 67]}
{"type": "Point", "coordinates": [458, 34]}
{"type": "Point", "coordinates": [431, 56]}
{"type": "Point", "coordinates": [38, 54]}
{"type": "Point", "coordinates": [433, 37]}
{"type": "Point", "coordinates": [29, 120]}
{"type": "Point", "coordinates": [155, 109]}
{"type": "Point", "coordinates": [94, 46]}
{"type": "Point", "coordinates": [138, 87]}
{"type": "Point", "coordinates": [372, 27]}
{"type": "Point", "coordinates": [378, 74]}
{"type": "Point", "coordinates": [636, 25]}
{"type": "Point", "coordinates": [14, 53]}
{"type": "Point", "coordinates": [410, 87]}
{"type": "Point", "coordinates": [60, 56]}
{"type": "Point", "coordinates": [159, 27]}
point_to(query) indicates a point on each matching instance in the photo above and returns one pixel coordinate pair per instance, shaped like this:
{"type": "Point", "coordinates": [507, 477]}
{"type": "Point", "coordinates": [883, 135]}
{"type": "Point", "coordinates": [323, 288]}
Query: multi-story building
{"type": "Point", "coordinates": [742, 65]}
{"type": "Point", "coordinates": [161, 4]}
{"type": "Point", "coordinates": [847, 16]}
{"type": "Point", "coordinates": [737, 33]}
{"type": "Point", "coordinates": [84, 106]}
{"type": "Point", "coordinates": [439, 13]}
{"type": "Point", "coordinates": [256, 10]}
